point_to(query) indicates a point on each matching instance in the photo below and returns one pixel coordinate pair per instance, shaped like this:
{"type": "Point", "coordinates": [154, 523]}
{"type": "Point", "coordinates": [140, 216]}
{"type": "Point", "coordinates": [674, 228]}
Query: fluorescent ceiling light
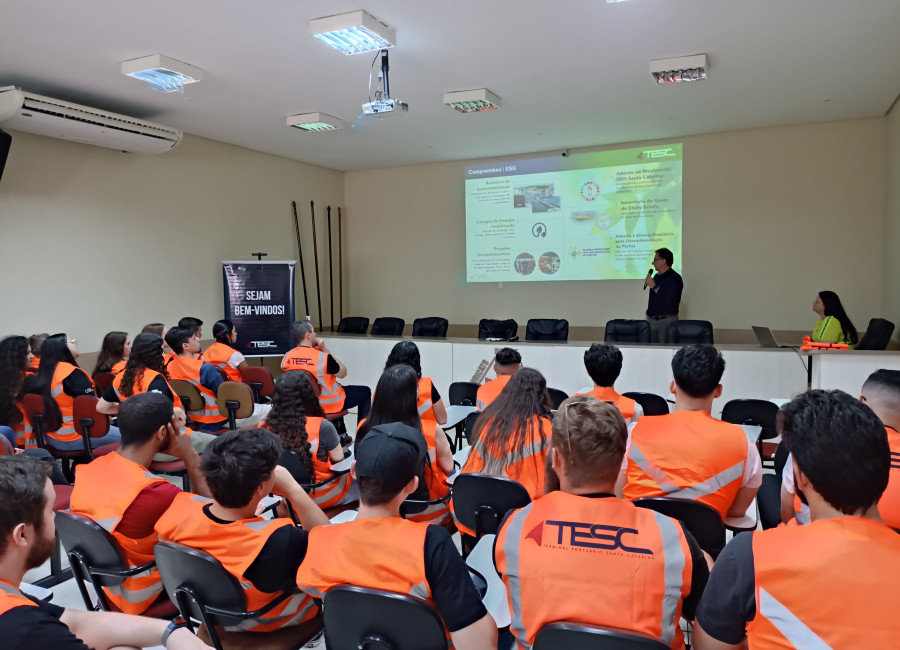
{"type": "Point", "coordinates": [162, 73]}
{"type": "Point", "coordinates": [356, 32]}
{"type": "Point", "coordinates": [472, 101]}
{"type": "Point", "coordinates": [684, 68]}
{"type": "Point", "coordinates": [315, 122]}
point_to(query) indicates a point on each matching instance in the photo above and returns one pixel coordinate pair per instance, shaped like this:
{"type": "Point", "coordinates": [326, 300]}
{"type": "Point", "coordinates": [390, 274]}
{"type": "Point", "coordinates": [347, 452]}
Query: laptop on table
{"type": "Point", "coordinates": [766, 338]}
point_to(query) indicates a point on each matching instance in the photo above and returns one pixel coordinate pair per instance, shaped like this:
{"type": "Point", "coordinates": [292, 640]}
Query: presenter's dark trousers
{"type": "Point", "coordinates": [360, 396]}
{"type": "Point", "coordinates": [658, 328]}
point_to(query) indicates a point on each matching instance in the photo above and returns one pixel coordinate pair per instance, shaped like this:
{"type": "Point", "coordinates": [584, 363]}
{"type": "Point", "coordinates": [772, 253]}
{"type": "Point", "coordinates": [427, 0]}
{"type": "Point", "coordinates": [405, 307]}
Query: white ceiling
{"type": "Point", "coordinates": [570, 73]}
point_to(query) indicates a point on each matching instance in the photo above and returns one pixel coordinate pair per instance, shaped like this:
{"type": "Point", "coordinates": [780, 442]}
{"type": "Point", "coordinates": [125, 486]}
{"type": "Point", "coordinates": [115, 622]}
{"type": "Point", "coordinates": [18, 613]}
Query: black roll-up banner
{"type": "Point", "coordinates": [259, 300]}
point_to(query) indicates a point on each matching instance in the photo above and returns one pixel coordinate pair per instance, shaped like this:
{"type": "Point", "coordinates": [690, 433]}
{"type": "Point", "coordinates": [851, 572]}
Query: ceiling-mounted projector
{"type": "Point", "coordinates": [384, 106]}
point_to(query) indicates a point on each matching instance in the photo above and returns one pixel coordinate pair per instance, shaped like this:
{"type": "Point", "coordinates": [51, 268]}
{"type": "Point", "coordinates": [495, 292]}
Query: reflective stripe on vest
{"type": "Point", "coordinates": [305, 358]}
{"type": "Point", "coordinates": [66, 403]}
{"type": "Point", "coordinates": [188, 369]}
{"type": "Point", "coordinates": [10, 598]}
{"type": "Point", "coordinates": [710, 485]}
{"type": "Point", "coordinates": [423, 400]}
{"type": "Point", "coordinates": [489, 391]}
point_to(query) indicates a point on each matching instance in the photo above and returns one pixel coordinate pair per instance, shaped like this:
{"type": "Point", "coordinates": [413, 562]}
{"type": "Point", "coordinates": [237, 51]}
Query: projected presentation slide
{"type": "Point", "coordinates": [595, 216]}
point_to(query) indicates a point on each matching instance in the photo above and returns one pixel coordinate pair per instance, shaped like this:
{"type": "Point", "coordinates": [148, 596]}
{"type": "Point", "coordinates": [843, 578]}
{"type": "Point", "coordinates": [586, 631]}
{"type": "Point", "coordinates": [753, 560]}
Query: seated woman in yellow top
{"type": "Point", "coordinates": [833, 325]}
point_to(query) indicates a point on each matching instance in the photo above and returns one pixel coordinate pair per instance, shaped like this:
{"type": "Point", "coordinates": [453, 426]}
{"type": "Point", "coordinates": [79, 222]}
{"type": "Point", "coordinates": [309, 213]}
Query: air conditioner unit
{"type": "Point", "coordinates": [55, 118]}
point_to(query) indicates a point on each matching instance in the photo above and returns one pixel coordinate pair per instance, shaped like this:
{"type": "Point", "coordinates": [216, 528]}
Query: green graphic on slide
{"type": "Point", "coordinates": [603, 214]}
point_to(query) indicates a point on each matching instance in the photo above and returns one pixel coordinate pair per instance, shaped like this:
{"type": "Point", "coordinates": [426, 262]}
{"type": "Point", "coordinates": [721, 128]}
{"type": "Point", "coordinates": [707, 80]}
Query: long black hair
{"type": "Point", "coordinates": [222, 330]}
{"type": "Point", "coordinates": [111, 351]}
{"type": "Point", "coordinates": [54, 349]}
{"type": "Point", "coordinates": [833, 307]}
{"type": "Point", "coordinates": [146, 352]}
{"type": "Point", "coordinates": [292, 402]}
{"type": "Point", "coordinates": [395, 400]}
{"type": "Point", "coordinates": [405, 352]}
{"type": "Point", "coordinates": [13, 361]}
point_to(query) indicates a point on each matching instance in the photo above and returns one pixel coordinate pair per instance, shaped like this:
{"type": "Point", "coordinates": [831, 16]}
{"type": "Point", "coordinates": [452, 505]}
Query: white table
{"type": "Point", "coordinates": [481, 561]}
{"type": "Point", "coordinates": [457, 414]}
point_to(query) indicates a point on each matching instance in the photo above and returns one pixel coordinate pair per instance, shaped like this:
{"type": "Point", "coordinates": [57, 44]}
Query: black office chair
{"type": "Point", "coordinates": [768, 498]}
{"type": "Point", "coordinates": [463, 393]}
{"type": "Point", "coordinates": [877, 336]}
{"type": "Point", "coordinates": [480, 501]}
{"type": "Point", "coordinates": [388, 326]}
{"type": "Point", "coordinates": [203, 590]}
{"type": "Point", "coordinates": [620, 330]}
{"type": "Point", "coordinates": [758, 412]}
{"type": "Point", "coordinates": [688, 332]}
{"type": "Point", "coordinates": [557, 397]}
{"type": "Point", "coordinates": [505, 330]}
{"type": "Point", "coordinates": [353, 325]}
{"type": "Point", "coordinates": [700, 520]}
{"type": "Point", "coordinates": [95, 558]}
{"type": "Point", "coordinates": [547, 329]}
{"type": "Point", "coordinates": [469, 425]}
{"type": "Point", "coordinates": [357, 618]}
{"type": "Point", "coordinates": [433, 326]}
{"type": "Point", "coordinates": [577, 636]}
{"type": "Point", "coordinates": [651, 403]}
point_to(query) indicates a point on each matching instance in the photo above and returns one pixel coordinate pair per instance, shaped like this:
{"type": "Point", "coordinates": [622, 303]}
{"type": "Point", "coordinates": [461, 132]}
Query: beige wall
{"type": "Point", "coordinates": [93, 240]}
{"type": "Point", "coordinates": [771, 216]}
{"type": "Point", "coordinates": [891, 291]}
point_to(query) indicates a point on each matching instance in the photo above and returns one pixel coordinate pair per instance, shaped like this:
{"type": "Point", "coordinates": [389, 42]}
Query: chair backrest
{"type": "Point", "coordinates": [292, 463]}
{"type": "Point", "coordinates": [547, 329]}
{"type": "Point", "coordinates": [780, 460]}
{"type": "Point", "coordinates": [577, 636]}
{"type": "Point", "coordinates": [433, 326]}
{"type": "Point", "coordinates": [758, 412]}
{"type": "Point", "coordinates": [480, 501]}
{"type": "Point", "coordinates": [688, 332]}
{"type": "Point", "coordinates": [621, 330]}
{"type": "Point", "coordinates": [84, 536]}
{"type": "Point", "coordinates": [489, 328]}
{"type": "Point", "coordinates": [371, 619]}
{"type": "Point", "coordinates": [33, 405]}
{"type": "Point", "coordinates": [463, 393]}
{"type": "Point", "coordinates": [235, 391]}
{"type": "Point", "coordinates": [651, 403]}
{"type": "Point", "coordinates": [102, 381]}
{"type": "Point", "coordinates": [260, 376]}
{"type": "Point", "coordinates": [6, 448]}
{"type": "Point", "coordinates": [314, 382]}
{"type": "Point", "coordinates": [84, 413]}
{"type": "Point", "coordinates": [353, 325]}
{"type": "Point", "coordinates": [388, 326]}
{"type": "Point", "coordinates": [183, 567]}
{"type": "Point", "coordinates": [190, 396]}
{"type": "Point", "coordinates": [557, 397]}
{"type": "Point", "coordinates": [877, 336]}
{"type": "Point", "coordinates": [701, 520]}
{"type": "Point", "coordinates": [469, 426]}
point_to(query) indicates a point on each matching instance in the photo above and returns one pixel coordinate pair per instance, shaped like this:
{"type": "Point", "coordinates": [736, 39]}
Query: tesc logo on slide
{"type": "Point", "coordinates": [656, 153]}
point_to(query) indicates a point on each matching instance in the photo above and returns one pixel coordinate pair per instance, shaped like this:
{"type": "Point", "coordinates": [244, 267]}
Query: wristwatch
{"type": "Point", "coordinates": [171, 627]}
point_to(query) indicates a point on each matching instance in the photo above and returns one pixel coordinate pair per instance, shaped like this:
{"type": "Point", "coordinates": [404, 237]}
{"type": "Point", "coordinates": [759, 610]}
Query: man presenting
{"type": "Point", "coordinates": [665, 295]}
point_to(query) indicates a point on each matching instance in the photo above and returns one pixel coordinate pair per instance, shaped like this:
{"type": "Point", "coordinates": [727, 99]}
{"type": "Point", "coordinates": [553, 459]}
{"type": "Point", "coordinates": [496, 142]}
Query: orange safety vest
{"type": "Point", "coordinates": [809, 344]}
{"type": "Point", "coordinates": [686, 455]}
{"type": "Point", "coordinates": [188, 369]}
{"type": "Point", "coordinates": [33, 367]}
{"type": "Point", "coordinates": [236, 545]}
{"type": "Point", "coordinates": [488, 392]}
{"type": "Point", "coordinates": [66, 403]}
{"type": "Point", "coordinates": [219, 355]}
{"type": "Point", "coordinates": [312, 361]}
{"type": "Point", "coordinates": [793, 565]}
{"type": "Point", "coordinates": [118, 366]}
{"type": "Point", "coordinates": [624, 404]}
{"type": "Point", "coordinates": [23, 430]}
{"type": "Point", "coordinates": [889, 505]}
{"type": "Point", "coordinates": [642, 556]}
{"type": "Point", "coordinates": [93, 498]}
{"type": "Point", "coordinates": [423, 400]}
{"type": "Point", "coordinates": [143, 386]}
{"type": "Point", "coordinates": [11, 597]}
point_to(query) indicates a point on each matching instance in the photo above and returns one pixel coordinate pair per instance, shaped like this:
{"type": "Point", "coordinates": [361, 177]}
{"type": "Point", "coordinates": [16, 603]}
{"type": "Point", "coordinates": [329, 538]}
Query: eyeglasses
{"type": "Point", "coordinates": [73, 341]}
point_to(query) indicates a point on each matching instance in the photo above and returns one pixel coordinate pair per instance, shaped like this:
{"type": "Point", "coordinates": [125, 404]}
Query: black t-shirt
{"type": "Point", "coordinates": [158, 385]}
{"type": "Point", "coordinates": [75, 385]}
{"type": "Point", "coordinates": [455, 596]}
{"type": "Point", "coordinates": [30, 628]}
{"type": "Point", "coordinates": [435, 395]}
{"type": "Point", "coordinates": [729, 602]}
{"type": "Point", "coordinates": [332, 367]}
{"type": "Point", "coordinates": [667, 299]}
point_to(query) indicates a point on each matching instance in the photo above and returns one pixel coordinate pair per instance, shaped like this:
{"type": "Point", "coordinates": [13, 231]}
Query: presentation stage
{"type": "Point", "coordinates": [596, 216]}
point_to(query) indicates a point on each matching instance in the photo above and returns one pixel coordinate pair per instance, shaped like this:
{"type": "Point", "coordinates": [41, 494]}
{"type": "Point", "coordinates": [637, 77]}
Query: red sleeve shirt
{"type": "Point", "coordinates": [143, 513]}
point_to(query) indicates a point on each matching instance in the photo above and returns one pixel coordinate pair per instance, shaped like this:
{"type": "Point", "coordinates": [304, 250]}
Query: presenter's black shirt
{"type": "Point", "coordinates": [667, 299]}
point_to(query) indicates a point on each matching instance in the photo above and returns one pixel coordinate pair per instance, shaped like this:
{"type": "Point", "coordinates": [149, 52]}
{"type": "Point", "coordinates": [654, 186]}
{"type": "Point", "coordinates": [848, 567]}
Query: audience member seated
{"type": "Point", "coordinates": [27, 539]}
{"type": "Point", "coordinates": [395, 401]}
{"type": "Point", "coordinates": [833, 326]}
{"type": "Point", "coordinates": [379, 550]}
{"type": "Point", "coordinates": [60, 381]}
{"type": "Point", "coordinates": [512, 436]}
{"type": "Point", "coordinates": [311, 355]}
{"type": "Point", "coordinates": [429, 401]}
{"type": "Point", "coordinates": [626, 567]}
{"type": "Point", "coordinates": [241, 467]}
{"type": "Point", "coordinates": [298, 419]}
{"type": "Point", "coordinates": [15, 358]}
{"type": "Point", "coordinates": [206, 379]}
{"type": "Point", "coordinates": [35, 341]}
{"type": "Point", "coordinates": [137, 498]}
{"type": "Point", "coordinates": [603, 363]}
{"type": "Point", "coordinates": [830, 584]}
{"type": "Point", "coordinates": [113, 353]}
{"type": "Point", "coordinates": [688, 454]}
{"type": "Point", "coordinates": [222, 354]}
{"type": "Point", "coordinates": [506, 363]}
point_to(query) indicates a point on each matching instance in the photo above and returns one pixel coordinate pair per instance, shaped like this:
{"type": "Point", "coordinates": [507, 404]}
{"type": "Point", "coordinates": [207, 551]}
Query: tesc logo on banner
{"type": "Point", "coordinates": [258, 345]}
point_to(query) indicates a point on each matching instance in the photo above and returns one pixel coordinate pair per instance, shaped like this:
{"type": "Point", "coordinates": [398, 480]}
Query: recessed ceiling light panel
{"type": "Point", "coordinates": [472, 101]}
{"type": "Point", "coordinates": [315, 122]}
{"type": "Point", "coordinates": [677, 70]}
{"type": "Point", "coordinates": [162, 72]}
{"type": "Point", "coordinates": [356, 32]}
